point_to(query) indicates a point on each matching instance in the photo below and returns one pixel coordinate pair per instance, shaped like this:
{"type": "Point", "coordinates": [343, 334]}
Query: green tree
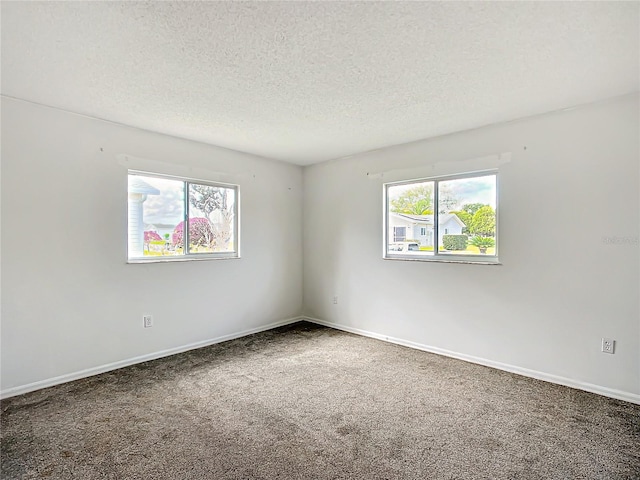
{"type": "Point", "coordinates": [417, 200]}
{"type": "Point", "coordinates": [483, 222]}
{"type": "Point", "coordinates": [472, 208]}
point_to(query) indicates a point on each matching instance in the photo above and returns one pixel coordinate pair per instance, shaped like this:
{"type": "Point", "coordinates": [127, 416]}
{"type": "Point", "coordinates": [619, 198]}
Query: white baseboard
{"type": "Point", "coordinates": [50, 382]}
{"type": "Point", "coordinates": [547, 377]}
{"type": "Point", "coordinates": [588, 387]}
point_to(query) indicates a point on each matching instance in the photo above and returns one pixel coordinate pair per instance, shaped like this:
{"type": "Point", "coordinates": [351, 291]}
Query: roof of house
{"type": "Point", "coordinates": [428, 219]}
{"type": "Point", "coordinates": [137, 185]}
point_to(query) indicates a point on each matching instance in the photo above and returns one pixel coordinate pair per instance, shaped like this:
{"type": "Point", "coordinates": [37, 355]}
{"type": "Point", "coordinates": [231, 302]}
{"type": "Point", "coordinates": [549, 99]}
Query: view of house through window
{"type": "Point", "coordinates": [443, 216]}
{"type": "Point", "coordinates": [160, 207]}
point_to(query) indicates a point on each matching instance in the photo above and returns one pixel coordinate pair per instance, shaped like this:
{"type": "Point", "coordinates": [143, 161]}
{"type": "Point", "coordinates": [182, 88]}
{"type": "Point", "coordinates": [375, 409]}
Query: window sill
{"type": "Point", "coordinates": [181, 259]}
{"type": "Point", "coordinates": [466, 260]}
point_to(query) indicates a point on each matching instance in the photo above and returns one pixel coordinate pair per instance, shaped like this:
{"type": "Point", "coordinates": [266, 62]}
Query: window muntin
{"type": "Point", "coordinates": [452, 218]}
{"type": "Point", "coordinates": [160, 206]}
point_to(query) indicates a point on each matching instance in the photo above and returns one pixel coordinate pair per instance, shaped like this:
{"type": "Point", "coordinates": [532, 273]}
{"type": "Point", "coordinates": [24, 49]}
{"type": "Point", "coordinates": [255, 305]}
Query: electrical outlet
{"type": "Point", "coordinates": [335, 300]}
{"type": "Point", "coordinates": [147, 321]}
{"type": "Point", "coordinates": [608, 345]}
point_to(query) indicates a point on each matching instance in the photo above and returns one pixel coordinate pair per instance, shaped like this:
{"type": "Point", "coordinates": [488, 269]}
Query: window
{"type": "Point", "coordinates": [160, 206]}
{"type": "Point", "coordinates": [452, 218]}
{"type": "Point", "coordinates": [399, 234]}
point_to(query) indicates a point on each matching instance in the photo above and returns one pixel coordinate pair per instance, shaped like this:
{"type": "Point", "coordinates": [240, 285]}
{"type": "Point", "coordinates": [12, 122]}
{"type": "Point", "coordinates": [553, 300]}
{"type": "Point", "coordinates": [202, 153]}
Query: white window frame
{"type": "Point", "coordinates": [191, 256]}
{"type": "Point", "coordinates": [435, 256]}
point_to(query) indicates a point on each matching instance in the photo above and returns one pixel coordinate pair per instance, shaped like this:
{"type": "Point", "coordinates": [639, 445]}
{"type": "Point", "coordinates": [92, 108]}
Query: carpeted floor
{"type": "Point", "coordinates": [308, 402]}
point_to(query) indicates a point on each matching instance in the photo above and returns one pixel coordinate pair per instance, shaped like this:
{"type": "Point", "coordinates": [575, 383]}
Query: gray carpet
{"type": "Point", "coordinates": [307, 402]}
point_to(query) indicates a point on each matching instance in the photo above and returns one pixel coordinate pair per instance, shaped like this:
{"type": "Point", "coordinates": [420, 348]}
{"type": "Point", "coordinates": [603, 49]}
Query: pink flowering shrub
{"type": "Point", "coordinates": [150, 236]}
{"type": "Point", "coordinates": [200, 233]}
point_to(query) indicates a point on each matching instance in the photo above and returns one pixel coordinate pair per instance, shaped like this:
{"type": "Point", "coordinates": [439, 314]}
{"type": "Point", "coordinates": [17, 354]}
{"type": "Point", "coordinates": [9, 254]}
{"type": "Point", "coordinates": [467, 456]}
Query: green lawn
{"type": "Point", "coordinates": [475, 251]}
{"type": "Point", "coordinates": [471, 250]}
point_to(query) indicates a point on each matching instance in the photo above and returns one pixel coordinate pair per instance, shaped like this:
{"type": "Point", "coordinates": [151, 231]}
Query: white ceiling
{"type": "Point", "coordinates": [305, 82]}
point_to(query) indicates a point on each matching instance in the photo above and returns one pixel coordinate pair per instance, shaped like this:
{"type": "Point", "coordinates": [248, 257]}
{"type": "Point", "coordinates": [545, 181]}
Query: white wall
{"type": "Point", "coordinates": [573, 179]}
{"type": "Point", "coordinates": [69, 300]}
{"type": "Point", "coordinates": [71, 305]}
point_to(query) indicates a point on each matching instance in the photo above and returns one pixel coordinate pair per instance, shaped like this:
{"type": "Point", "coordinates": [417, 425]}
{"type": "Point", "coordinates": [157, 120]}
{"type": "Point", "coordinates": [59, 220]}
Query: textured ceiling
{"type": "Point", "coordinates": [311, 81]}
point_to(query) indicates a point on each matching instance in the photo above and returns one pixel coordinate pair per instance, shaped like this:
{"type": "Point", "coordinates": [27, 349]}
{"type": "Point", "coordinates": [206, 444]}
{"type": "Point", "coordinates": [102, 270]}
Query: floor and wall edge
{"type": "Point", "coordinates": [588, 387]}
{"type": "Point", "coordinates": [50, 382]}
{"type": "Point", "coordinates": [547, 377]}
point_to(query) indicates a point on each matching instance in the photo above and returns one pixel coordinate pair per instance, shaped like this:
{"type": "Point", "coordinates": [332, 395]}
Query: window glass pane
{"type": "Point", "coordinates": [410, 218]}
{"type": "Point", "coordinates": [211, 219]}
{"type": "Point", "coordinates": [156, 209]}
{"type": "Point", "coordinates": [467, 216]}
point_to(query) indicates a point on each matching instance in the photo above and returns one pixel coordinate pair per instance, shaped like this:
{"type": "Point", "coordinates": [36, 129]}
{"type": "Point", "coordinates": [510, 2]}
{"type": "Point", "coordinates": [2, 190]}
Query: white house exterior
{"type": "Point", "coordinates": [138, 191]}
{"type": "Point", "coordinates": [404, 227]}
